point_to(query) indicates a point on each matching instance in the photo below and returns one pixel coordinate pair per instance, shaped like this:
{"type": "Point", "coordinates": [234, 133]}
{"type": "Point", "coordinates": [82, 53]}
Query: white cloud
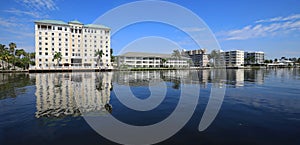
{"type": "Point", "coordinates": [265, 28]}
{"type": "Point", "coordinates": [193, 29]}
{"type": "Point", "coordinates": [8, 22]}
{"type": "Point", "coordinates": [278, 19]}
{"type": "Point", "coordinates": [39, 4]}
{"type": "Point", "coordinates": [20, 13]}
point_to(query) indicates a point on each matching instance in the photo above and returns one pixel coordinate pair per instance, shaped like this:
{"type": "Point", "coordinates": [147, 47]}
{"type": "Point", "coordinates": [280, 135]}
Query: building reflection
{"type": "Point", "coordinates": [235, 77]}
{"type": "Point", "coordinates": [61, 94]}
{"type": "Point", "coordinates": [255, 75]}
{"type": "Point", "coordinates": [176, 77]}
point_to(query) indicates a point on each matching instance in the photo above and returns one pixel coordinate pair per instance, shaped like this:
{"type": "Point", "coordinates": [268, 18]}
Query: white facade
{"type": "Point", "coordinates": [150, 60]}
{"type": "Point", "coordinates": [234, 58]}
{"type": "Point", "coordinates": [254, 57]}
{"type": "Point", "coordinates": [76, 42]}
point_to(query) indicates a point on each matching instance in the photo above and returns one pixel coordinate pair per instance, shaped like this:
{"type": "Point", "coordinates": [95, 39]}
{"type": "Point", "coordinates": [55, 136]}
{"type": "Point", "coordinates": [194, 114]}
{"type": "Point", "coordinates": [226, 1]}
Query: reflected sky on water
{"type": "Point", "coordinates": [260, 106]}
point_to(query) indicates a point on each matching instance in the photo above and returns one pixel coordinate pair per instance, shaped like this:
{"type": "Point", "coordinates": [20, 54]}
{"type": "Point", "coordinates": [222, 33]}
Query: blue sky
{"type": "Point", "coordinates": [250, 25]}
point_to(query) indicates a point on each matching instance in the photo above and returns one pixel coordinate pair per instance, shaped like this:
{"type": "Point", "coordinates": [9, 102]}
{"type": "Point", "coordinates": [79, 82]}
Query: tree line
{"type": "Point", "coordinates": [12, 57]}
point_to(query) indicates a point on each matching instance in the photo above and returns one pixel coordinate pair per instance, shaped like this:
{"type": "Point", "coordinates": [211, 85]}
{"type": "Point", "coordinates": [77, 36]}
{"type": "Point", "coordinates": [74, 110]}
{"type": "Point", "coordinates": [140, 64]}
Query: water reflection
{"type": "Point", "coordinates": [11, 84]}
{"type": "Point", "coordinates": [61, 94]}
{"type": "Point", "coordinates": [216, 77]}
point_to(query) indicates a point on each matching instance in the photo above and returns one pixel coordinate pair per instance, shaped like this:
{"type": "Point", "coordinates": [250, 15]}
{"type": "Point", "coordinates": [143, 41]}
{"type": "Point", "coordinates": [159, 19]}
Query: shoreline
{"type": "Point", "coordinates": [133, 69]}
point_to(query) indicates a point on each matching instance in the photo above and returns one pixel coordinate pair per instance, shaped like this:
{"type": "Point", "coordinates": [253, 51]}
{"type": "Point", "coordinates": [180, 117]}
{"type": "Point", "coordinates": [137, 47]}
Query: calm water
{"type": "Point", "coordinates": [259, 107]}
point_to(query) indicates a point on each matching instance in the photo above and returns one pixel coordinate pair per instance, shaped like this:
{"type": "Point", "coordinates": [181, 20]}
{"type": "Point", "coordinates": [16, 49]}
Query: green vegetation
{"type": "Point", "coordinates": [57, 56]}
{"type": "Point", "coordinates": [99, 54]}
{"type": "Point", "coordinates": [12, 57]}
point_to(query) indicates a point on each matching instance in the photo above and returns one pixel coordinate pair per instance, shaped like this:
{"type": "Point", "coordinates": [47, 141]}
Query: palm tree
{"type": "Point", "coordinates": [213, 56]}
{"type": "Point", "coordinates": [26, 60]}
{"type": "Point", "coordinates": [6, 57]}
{"type": "Point", "coordinates": [12, 47]}
{"type": "Point", "coordinates": [2, 50]}
{"type": "Point", "coordinates": [20, 52]}
{"type": "Point", "coordinates": [57, 56]}
{"type": "Point", "coordinates": [176, 54]}
{"type": "Point", "coordinates": [99, 54]}
{"type": "Point", "coordinates": [163, 61]}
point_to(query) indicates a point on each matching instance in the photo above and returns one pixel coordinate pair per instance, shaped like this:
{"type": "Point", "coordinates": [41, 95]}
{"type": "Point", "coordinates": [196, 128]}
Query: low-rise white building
{"type": "Point", "coordinates": [151, 60]}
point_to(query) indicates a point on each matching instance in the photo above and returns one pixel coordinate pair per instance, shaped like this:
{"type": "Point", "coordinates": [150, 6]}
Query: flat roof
{"type": "Point", "coordinates": [59, 22]}
{"type": "Point", "coordinates": [148, 54]}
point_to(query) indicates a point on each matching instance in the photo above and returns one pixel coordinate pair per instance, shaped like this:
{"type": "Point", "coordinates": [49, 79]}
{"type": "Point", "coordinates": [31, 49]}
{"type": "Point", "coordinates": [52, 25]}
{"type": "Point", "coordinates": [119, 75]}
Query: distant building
{"type": "Point", "coordinates": [199, 57]}
{"type": "Point", "coordinates": [77, 43]}
{"type": "Point", "coordinates": [254, 57]}
{"type": "Point", "coordinates": [151, 60]}
{"type": "Point", "coordinates": [234, 58]}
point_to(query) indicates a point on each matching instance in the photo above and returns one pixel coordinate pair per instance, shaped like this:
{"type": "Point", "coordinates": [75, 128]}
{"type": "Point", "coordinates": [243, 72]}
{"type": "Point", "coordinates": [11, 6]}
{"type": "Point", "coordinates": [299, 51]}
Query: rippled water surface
{"type": "Point", "coordinates": [259, 107]}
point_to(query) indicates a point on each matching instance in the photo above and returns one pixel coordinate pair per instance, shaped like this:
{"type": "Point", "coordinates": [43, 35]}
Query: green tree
{"type": "Point", "coordinates": [25, 61]}
{"type": "Point", "coordinates": [2, 51]}
{"type": "Point", "coordinates": [163, 61]}
{"type": "Point", "coordinates": [176, 54]}
{"type": "Point", "coordinates": [57, 56]}
{"type": "Point", "coordinates": [12, 47]}
{"type": "Point", "coordinates": [99, 54]}
{"type": "Point", "coordinates": [20, 52]}
{"type": "Point", "coordinates": [112, 58]}
{"type": "Point", "coordinates": [214, 55]}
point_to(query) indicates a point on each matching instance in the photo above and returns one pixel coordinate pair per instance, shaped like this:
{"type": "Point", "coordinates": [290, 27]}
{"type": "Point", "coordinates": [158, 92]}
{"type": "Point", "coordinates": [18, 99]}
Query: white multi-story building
{"type": "Point", "coordinates": [151, 60]}
{"type": "Point", "coordinates": [234, 58]}
{"type": "Point", "coordinates": [77, 43]}
{"type": "Point", "coordinates": [199, 57]}
{"type": "Point", "coordinates": [254, 57]}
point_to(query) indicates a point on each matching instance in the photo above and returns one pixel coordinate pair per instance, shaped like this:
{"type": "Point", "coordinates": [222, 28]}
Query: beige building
{"type": "Point", "coordinates": [76, 42]}
{"type": "Point", "coordinates": [199, 57]}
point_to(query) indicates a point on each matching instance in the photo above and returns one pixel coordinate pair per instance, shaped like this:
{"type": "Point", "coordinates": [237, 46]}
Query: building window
{"type": "Point", "coordinates": [59, 44]}
{"type": "Point", "coordinates": [52, 44]}
{"type": "Point", "coordinates": [40, 33]}
{"type": "Point", "coordinates": [46, 33]}
{"type": "Point", "coordinates": [46, 43]}
{"type": "Point", "coordinates": [66, 54]}
{"type": "Point", "coordinates": [46, 59]}
{"type": "Point", "coordinates": [52, 39]}
{"type": "Point", "coordinates": [52, 49]}
{"type": "Point", "coordinates": [66, 39]}
{"type": "Point", "coordinates": [59, 28]}
{"type": "Point", "coordinates": [66, 49]}
{"type": "Point", "coordinates": [59, 49]}
{"type": "Point", "coordinates": [40, 53]}
{"type": "Point", "coordinates": [40, 43]}
{"type": "Point", "coordinates": [52, 34]}
{"type": "Point", "coordinates": [59, 34]}
{"type": "Point", "coordinates": [66, 34]}
{"type": "Point", "coordinates": [46, 53]}
{"type": "Point", "coordinates": [40, 48]}
{"type": "Point", "coordinates": [46, 48]}
{"type": "Point", "coordinates": [59, 39]}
